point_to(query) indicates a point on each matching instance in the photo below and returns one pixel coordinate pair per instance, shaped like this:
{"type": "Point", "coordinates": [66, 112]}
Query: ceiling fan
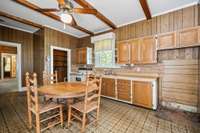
{"type": "Point", "coordinates": [66, 8]}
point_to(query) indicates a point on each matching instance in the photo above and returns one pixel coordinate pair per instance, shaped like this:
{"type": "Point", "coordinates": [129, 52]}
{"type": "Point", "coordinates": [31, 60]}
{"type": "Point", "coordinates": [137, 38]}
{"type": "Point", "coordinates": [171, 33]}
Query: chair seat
{"type": "Point", "coordinates": [89, 107]}
{"type": "Point", "coordinates": [46, 107]}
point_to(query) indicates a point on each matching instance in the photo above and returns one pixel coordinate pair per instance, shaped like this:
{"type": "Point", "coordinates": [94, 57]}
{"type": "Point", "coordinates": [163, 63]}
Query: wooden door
{"type": "Point", "coordinates": [108, 87]}
{"type": "Point", "coordinates": [124, 90]}
{"type": "Point", "coordinates": [142, 93]}
{"type": "Point", "coordinates": [60, 64]}
{"type": "Point", "coordinates": [189, 37]}
{"type": "Point", "coordinates": [148, 50]}
{"type": "Point", "coordinates": [123, 53]}
{"type": "Point", "coordinates": [135, 51]}
{"type": "Point", "coordinates": [167, 40]}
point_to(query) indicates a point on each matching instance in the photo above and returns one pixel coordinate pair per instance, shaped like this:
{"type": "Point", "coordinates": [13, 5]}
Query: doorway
{"type": "Point", "coordinates": [61, 62]}
{"type": "Point", "coordinates": [10, 67]}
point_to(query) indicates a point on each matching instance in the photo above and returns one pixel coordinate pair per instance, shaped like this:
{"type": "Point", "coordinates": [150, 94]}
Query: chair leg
{"type": "Point", "coordinates": [37, 123]}
{"type": "Point", "coordinates": [30, 119]}
{"type": "Point", "coordinates": [69, 116]}
{"type": "Point", "coordinates": [97, 119]}
{"type": "Point", "coordinates": [61, 116]}
{"type": "Point", "coordinates": [83, 123]}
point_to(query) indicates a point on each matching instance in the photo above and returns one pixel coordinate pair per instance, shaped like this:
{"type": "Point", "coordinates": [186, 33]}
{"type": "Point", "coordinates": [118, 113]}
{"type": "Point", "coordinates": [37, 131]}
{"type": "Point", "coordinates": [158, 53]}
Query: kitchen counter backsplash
{"type": "Point", "coordinates": [151, 69]}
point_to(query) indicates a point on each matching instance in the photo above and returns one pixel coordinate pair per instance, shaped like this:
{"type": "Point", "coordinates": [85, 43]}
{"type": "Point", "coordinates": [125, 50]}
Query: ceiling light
{"type": "Point", "coordinates": [66, 18]}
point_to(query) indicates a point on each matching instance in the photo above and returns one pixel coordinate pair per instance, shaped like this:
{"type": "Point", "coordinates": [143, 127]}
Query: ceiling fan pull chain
{"type": "Point", "coordinates": [64, 26]}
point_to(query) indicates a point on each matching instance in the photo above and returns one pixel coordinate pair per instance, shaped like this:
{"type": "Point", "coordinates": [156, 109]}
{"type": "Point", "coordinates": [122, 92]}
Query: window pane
{"type": "Point", "coordinates": [104, 53]}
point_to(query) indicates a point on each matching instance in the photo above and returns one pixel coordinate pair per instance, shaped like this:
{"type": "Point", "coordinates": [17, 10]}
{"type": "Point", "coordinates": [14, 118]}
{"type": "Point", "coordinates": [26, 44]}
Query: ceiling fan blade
{"type": "Point", "coordinates": [48, 10]}
{"type": "Point", "coordinates": [61, 2]}
{"type": "Point", "coordinates": [84, 11]}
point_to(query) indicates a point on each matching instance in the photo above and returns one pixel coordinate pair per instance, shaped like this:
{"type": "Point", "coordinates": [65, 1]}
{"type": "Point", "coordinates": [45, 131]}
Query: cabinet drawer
{"type": "Point", "coordinates": [124, 90]}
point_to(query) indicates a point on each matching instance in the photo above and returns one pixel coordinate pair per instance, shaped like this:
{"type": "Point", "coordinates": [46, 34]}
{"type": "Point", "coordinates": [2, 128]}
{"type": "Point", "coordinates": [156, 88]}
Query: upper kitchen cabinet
{"type": "Point", "coordinates": [123, 50]}
{"type": "Point", "coordinates": [167, 40]}
{"type": "Point", "coordinates": [135, 51]}
{"type": "Point", "coordinates": [189, 37]}
{"type": "Point", "coordinates": [148, 50]}
{"type": "Point", "coordinates": [84, 55]}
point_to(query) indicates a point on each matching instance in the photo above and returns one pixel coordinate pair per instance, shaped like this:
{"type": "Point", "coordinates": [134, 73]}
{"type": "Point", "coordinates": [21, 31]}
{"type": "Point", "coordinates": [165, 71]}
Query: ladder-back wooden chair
{"type": "Point", "coordinates": [50, 78]}
{"type": "Point", "coordinates": [90, 103]}
{"type": "Point", "coordinates": [40, 110]}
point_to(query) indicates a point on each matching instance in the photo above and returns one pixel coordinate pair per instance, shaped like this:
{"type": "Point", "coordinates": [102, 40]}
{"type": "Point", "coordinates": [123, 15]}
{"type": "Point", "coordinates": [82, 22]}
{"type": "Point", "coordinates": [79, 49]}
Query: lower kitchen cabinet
{"type": "Point", "coordinates": [108, 87]}
{"type": "Point", "coordinates": [123, 90]}
{"type": "Point", "coordinates": [142, 93]}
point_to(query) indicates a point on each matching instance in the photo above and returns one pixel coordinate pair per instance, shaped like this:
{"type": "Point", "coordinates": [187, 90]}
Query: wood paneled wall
{"type": "Point", "coordinates": [7, 49]}
{"type": "Point", "coordinates": [179, 76]}
{"type": "Point", "coordinates": [56, 38]}
{"type": "Point", "coordinates": [183, 18]}
{"type": "Point", "coordinates": [38, 50]}
{"type": "Point", "coordinates": [26, 41]}
{"type": "Point", "coordinates": [187, 17]}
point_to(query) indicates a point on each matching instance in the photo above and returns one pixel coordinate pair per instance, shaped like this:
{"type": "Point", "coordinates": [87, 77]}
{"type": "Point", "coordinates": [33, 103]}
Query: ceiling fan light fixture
{"type": "Point", "coordinates": [66, 18]}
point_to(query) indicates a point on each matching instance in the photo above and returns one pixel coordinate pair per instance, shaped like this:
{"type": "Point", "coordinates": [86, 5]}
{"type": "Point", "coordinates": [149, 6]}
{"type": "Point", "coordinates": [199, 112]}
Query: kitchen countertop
{"type": "Point", "coordinates": [135, 77]}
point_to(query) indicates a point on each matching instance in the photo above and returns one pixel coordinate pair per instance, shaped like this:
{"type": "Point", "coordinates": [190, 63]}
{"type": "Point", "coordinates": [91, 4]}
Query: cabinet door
{"type": "Point", "coordinates": [108, 87]}
{"type": "Point", "coordinates": [135, 51]}
{"type": "Point", "coordinates": [84, 56]}
{"type": "Point", "coordinates": [189, 37]}
{"type": "Point", "coordinates": [142, 93]}
{"type": "Point", "coordinates": [124, 90]}
{"type": "Point", "coordinates": [81, 56]}
{"type": "Point", "coordinates": [148, 50]}
{"type": "Point", "coordinates": [167, 40]}
{"type": "Point", "coordinates": [78, 57]}
{"type": "Point", "coordinates": [123, 53]}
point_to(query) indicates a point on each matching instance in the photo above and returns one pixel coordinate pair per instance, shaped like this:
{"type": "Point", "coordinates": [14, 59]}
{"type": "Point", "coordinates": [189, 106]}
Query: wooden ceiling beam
{"type": "Point", "coordinates": [145, 8]}
{"type": "Point", "coordinates": [85, 11]}
{"type": "Point", "coordinates": [85, 4]}
{"type": "Point", "coordinates": [51, 15]}
{"type": "Point", "coordinates": [21, 20]}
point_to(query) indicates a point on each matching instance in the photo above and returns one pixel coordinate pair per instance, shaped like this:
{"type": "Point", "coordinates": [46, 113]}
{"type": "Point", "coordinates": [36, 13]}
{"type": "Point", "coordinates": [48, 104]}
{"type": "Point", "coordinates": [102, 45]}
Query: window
{"type": "Point", "coordinates": [104, 53]}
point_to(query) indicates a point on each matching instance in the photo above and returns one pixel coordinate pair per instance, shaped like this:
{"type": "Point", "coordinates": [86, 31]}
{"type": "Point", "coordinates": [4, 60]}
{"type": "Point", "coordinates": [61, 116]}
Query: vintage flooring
{"type": "Point", "coordinates": [8, 85]}
{"type": "Point", "coordinates": [115, 117]}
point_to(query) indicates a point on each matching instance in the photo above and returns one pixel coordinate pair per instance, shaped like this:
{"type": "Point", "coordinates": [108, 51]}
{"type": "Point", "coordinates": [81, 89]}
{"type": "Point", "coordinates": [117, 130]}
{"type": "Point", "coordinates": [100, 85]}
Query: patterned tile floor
{"type": "Point", "coordinates": [115, 117]}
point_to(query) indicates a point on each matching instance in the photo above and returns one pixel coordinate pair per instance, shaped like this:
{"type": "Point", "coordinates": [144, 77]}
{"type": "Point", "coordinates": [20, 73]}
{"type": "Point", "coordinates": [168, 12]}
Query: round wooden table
{"type": "Point", "coordinates": [63, 90]}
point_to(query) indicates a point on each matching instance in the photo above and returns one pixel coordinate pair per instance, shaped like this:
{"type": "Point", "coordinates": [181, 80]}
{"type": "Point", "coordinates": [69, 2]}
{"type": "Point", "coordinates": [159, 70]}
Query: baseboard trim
{"type": "Point", "coordinates": [179, 106]}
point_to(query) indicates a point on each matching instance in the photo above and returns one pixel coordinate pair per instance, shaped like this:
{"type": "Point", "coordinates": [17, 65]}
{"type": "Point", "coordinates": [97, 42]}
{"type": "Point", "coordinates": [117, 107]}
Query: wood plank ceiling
{"type": "Point", "coordinates": [89, 10]}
